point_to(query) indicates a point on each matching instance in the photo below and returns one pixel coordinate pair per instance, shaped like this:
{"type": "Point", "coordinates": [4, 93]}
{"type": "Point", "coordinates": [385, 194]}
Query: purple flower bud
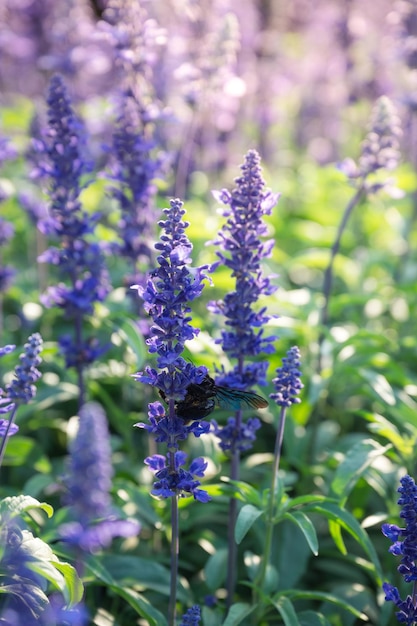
{"type": "Point", "coordinates": [287, 382]}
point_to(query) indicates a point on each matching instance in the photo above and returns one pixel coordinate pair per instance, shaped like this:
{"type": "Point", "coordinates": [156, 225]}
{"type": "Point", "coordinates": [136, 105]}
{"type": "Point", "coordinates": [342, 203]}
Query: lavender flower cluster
{"type": "Point", "coordinates": [404, 545]}
{"type": "Point", "coordinates": [79, 260]}
{"type": "Point", "coordinates": [166, 295]}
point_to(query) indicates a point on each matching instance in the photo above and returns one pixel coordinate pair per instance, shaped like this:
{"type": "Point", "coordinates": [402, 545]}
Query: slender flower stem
{"type": "Point", "coordinates": [232, 547]}
{"type": "Point", "coordinates": [272, 500]}
{"type": "Point", "coordinates": [174, 561]}
{"type": "Point", "coordinates": [328, 274]}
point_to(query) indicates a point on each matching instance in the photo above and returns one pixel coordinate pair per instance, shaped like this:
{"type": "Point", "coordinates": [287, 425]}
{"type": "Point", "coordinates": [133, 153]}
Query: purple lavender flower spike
{"type": "Point", "coordinates": [80, 261]}
{"type": "Point", "coordinates": [166, 295]}
{"type": "Point", "coordinates": [287, 382]}
{"type": "Point", "coordinates": [192, 617]}
{"type": "Point", "coordinates": [22, 388]}
{"type": "Point", "coordinates": [6, 429]}
{"type": "Point", "coordinates": [242, 251]}
{"type": "Point", "coordinates": [88, 483]}
{"type": "Point", "coordinates": [234, 439]}
{"type": "Point", "coordinates": [405, 546]}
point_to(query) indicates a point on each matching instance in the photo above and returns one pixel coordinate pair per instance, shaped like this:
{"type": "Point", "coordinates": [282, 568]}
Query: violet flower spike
{"type": "Point", "coordinates": [287, 382]}
{"type": "Point", "coordinates": [243, 250]}
{"type": "Point", "coordinates": [21, 389]}
{"type": "Point", "coordinates": [404, 545]}
{"type": "Point", "coordinates": [191, 617]}
{"type": "Point", "coordinates": [88, 483]}
{"type": "Point", "coordinates": [166, 295]}
{"type": "Point", "coordinates": [80, 261]}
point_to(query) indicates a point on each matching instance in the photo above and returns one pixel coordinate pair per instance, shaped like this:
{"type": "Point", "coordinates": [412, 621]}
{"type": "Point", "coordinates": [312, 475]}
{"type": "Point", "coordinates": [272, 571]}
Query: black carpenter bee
{"type": "Point", "coordinates": [201, 399]}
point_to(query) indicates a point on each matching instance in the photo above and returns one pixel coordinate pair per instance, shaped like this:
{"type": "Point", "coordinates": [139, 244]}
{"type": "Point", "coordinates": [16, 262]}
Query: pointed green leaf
{"type": "Point", "coordinates": [140, 605]}
{"type": "Point", "coordinates": [286, 610]}
{"type": "Point", "coordinates": [356, 461]}
{"type": "Point", "coordinates": [306, 526]}
{"type": "Point", "coordinates": [215, 569]}
{"type": "Point", "coordinates": [238, 613]}
{"type": "Point", "coordinates": [296, 594]}
{"type": "Point", "coordinates": [73, 590]}
{"type": "Point", "coordinates": [332, 511]}
{"type": "Point", "coordinates": [248, 515]}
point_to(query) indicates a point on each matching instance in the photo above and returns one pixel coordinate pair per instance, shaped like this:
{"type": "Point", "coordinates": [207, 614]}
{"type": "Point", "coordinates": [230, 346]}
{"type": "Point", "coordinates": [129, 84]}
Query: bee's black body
{"type": "Point", "coordinates": [201, 399]}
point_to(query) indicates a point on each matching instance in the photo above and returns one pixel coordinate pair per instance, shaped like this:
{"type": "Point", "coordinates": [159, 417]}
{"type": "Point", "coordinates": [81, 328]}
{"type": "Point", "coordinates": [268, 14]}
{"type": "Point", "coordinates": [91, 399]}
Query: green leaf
{"type": "Point", "coordinates": [246, 492]}
{"type": "Point", "coordinates": [13, 506]}
{"type": "Point", "coordinates": [311, 618]}
{"type": "Point", "coordinates": [140, 605]}
{"type": "Point", "coordinates": [23, 451]}
{"type": "Point", "coordinates": [215, 569]}
{"type": "Point", "coordinates": [286, 610]}
{"type": "Point", "coordinates": [296, 594]}
{"type": "Point", "coordinates": [73, 590]}
{"type": "Point", "coordinates": [132, 570]}
{"type": "Point", "coordinates": [248, 515]}
{"type": "Point", "coordinates": [357, 460]}
{"type": "Point", "coordinates": [237, 613]}
{"type": "Point", "coordinates": [306, 526]}
{"type": "Point", "coordinates": [332, 511]}
{"type": "Point", "coordinates": [131, 334]}
{"type": "Point", "coordinates": [336, 534]}
{"type": "Point", "coordinates": [379, 385]}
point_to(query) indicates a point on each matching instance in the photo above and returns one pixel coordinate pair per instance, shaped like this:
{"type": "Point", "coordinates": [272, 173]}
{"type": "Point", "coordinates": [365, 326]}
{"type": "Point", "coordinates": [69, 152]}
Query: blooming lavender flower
{"type": "Point", "coordinates": [380, 148]}
{"type": "Point", "coordinates": [192, 617]}
{"type": "Point", "coordinates": [179, 481]}
{"type": "Point", "coordinates": [88, 484]}
{"type": "Point", "coordinates": [22, 388]}
{"type": "Point", "coordinates": [233, 438]}
{"type": "Point", "coordinates": [242, 252]}
{"type": "Point", "coordinates": [135, 168]}
{"type": "Point", "coordinates": [404, 544]}
{"type": "Point", "coordinates": [166, 295]}
{"type": "Point", "coordinates": [287, 382]}
{"type": "Point", "coordinates": [79, 260]}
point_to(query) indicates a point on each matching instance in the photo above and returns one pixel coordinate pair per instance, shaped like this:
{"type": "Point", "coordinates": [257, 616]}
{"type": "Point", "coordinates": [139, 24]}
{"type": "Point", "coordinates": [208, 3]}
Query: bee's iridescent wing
{"type": "Point", "coordinates": [237, 399]}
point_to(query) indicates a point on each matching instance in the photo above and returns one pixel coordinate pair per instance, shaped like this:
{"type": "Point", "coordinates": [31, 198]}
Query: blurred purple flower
{"type": "Point", "coordinates": [7, 429]}
{"type": "Point", "coordinates": [79, 260]}
{"type": "Point", "coordinates": [88, 482]}
{"type": "Point", "coordinates": [192, 617]}
{"type": "Point", "coordinates": [380, 148]}
{"type": "Point", "coordinates": [135, 168]}
{"type": "Point", "coordinates": [7, 273]}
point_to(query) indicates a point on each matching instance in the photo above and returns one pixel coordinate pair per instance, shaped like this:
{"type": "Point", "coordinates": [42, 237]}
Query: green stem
{"type": "Point", "coordinates": [328, 274]}
{"type": "Point", "coordinates": [174, 561]}
{"type": "Point", "coordinates": [260, 578]}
